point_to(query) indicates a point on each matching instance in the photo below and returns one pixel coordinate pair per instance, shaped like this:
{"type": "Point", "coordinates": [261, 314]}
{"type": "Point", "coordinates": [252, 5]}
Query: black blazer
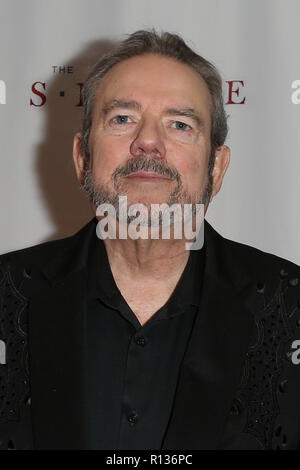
{"type": "Point", "coordinates": [239, 384]}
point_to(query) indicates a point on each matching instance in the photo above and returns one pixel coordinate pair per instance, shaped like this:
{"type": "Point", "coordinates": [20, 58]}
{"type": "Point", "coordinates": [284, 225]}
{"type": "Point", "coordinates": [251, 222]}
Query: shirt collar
{"type": "Point", "coordinates": [101, 283]}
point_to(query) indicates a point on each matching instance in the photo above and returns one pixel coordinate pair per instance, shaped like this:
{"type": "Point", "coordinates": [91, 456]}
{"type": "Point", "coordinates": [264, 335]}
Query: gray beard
{"type": "Point", "coordinates": [100, 194]}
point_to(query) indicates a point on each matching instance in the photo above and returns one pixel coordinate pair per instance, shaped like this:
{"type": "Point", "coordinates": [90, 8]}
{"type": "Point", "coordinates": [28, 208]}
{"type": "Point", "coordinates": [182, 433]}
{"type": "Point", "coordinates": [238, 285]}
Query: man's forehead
{"type": "Point", "coordinates": [153, 73]}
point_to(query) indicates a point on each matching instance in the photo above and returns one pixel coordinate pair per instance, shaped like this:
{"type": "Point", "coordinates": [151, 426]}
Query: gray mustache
{"type": "Point", "coordinates": [146, 164]}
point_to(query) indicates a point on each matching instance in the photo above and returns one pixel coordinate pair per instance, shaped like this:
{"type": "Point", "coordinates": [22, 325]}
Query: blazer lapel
{"type": "Point", "coordinates": [57, 349]}
{"type": "Point", "coordinates": [56, 345]}
{"type": "Point", "coordinates": [212, 367]}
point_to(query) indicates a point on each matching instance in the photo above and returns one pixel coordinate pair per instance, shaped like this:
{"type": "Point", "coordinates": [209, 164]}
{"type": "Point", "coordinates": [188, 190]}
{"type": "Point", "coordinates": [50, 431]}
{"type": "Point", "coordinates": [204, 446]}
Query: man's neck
{"type": "Point", "coordinates": [148, 260]}
{"type": "Point", "coordinates": [146, 272]}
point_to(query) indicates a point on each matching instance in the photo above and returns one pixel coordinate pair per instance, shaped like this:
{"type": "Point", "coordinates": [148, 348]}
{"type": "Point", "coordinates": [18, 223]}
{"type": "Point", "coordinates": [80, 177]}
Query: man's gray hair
{"type": "Point", "coordinates": [166, 44]}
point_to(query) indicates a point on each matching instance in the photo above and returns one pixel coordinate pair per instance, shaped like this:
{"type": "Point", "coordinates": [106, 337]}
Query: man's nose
{"type": "Point", "coordinates": [149, 141]}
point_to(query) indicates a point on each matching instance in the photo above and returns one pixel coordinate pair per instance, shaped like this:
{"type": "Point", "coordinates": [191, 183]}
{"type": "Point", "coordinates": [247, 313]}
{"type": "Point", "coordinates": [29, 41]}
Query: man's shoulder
{"type": "Point", "coordinates": [257, 255]}
{"type": "Point", "coordinates": [43, 252]}
{"type": "Point", "coordinates": [248, 258]}
{"type": "Point", "coordinates": [38, 254]}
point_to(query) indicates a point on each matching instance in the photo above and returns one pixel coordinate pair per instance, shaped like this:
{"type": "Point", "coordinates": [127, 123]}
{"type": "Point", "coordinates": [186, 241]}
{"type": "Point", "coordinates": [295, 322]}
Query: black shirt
{"type": "Point", "coordinates": [133, 369]}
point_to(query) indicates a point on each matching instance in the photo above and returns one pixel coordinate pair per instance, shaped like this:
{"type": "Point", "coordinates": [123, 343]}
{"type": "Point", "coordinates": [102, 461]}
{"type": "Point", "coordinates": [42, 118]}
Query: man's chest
{"type": "Point", "coordinates": [145, 298]}
{"type": "Point", "coordinates": [144, 304]}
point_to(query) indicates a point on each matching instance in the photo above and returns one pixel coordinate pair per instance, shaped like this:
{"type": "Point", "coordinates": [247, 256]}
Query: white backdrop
{"type": "Point", "coordinates": [255, 45]}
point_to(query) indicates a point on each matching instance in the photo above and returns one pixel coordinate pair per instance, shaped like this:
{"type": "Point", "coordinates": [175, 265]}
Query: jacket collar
{"type": "Point", "coordinates": [57, 348]}
{"type": "Point", "coordinates": [72, 256]}
{"type": "Point", "coordinates": [212, 367]}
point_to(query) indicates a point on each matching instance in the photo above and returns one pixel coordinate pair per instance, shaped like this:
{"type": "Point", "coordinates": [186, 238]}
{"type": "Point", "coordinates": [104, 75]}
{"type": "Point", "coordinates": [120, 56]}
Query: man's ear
{"type": "Point", "coordinates": [222, 159]}
{"type": "Point", "coordinates": [78, 157]}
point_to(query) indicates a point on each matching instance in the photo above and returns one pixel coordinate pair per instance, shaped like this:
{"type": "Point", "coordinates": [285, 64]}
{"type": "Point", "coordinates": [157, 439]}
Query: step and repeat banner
{"type": "Point", "coordinates": [47, 49]}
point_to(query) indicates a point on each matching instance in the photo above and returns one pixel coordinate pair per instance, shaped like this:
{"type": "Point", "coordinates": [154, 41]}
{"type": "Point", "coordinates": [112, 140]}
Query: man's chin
{"type": "Point", "coordinates": [148, 199]}
{"type": "Point", "coordinates": [147, 202]}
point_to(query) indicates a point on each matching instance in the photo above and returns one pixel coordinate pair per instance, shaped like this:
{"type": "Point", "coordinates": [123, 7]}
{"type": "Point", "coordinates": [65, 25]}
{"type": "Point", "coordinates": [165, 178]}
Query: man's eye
{"type": "Point", "coordinates": [122, 119]}
{"type": "Point", "coordinates": [181, 126]}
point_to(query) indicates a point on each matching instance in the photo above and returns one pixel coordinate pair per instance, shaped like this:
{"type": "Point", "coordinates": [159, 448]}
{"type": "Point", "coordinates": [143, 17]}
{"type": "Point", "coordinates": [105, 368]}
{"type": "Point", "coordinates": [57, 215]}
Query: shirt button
{"type": "Point", "coordinates": [132, 418]}
{"type": "Point", "coordinates": [140, 341]}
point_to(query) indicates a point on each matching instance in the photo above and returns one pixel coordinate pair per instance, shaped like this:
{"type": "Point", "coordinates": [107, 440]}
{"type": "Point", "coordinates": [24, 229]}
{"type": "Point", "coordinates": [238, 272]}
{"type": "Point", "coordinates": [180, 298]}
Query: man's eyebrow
{"type": "Point", "coordinates": [188, 112]}
{"type": "Point", "coordinates": [113, 104]}
{"type": "Point", "coordinates": [134, 105]}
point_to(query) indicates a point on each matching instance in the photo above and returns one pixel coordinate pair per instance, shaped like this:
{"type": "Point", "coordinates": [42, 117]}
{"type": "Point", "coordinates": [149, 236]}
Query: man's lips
{"type": "Point", "coordinates": [148, 176]}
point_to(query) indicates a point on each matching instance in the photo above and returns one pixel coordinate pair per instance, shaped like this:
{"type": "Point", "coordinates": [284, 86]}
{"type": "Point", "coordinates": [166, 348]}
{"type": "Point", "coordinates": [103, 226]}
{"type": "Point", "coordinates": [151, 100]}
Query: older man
{"type": "Point", "coordinates": [131, 342]}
